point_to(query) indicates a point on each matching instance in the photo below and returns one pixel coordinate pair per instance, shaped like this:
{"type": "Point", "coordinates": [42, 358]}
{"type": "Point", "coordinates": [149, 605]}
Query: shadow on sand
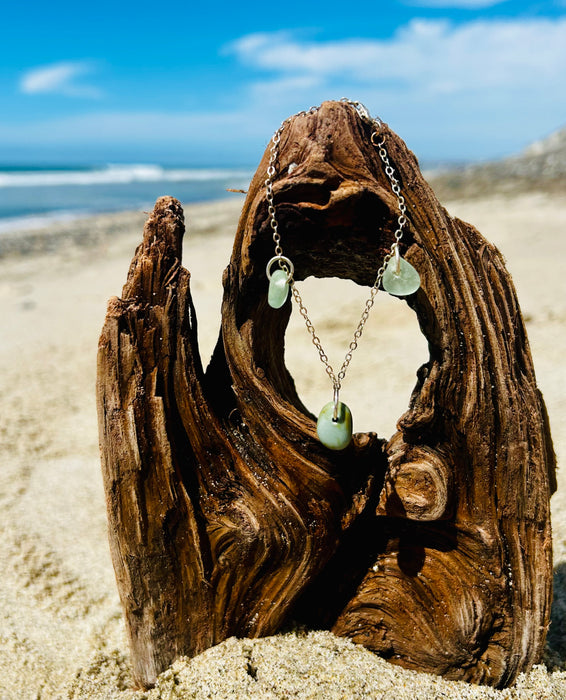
{"type": "Point", "coordinates": [555, 656]}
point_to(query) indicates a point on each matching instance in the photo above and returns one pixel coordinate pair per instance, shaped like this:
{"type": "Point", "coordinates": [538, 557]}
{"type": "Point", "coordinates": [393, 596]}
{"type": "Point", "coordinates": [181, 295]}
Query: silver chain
{"type": "Point", "coordinates": [285, 263]}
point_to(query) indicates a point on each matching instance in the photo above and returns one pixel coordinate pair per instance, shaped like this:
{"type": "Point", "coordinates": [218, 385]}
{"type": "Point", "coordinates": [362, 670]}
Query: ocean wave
{"type": "Point", "coordinates": [115, 175]}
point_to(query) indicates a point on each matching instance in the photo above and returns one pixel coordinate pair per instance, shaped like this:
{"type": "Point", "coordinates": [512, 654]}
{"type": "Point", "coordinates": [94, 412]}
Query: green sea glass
{"type": "Point", "coordinates": [335, 434]}
{"type": "Point", "coordinates": [401, 283]}
{"type": "Point", "coordinates": [278, 289]}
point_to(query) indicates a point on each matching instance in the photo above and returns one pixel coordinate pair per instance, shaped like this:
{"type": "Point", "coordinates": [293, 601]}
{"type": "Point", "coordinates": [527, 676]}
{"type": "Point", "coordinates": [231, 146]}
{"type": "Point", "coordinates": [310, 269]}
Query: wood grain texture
{"type": "Point", "coordinates": [227, 516]}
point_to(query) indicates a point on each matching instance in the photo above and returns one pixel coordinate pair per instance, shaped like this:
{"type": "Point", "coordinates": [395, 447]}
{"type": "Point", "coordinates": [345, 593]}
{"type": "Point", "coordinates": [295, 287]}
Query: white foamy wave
{"type": "Point", "coordinates": [115, 175]}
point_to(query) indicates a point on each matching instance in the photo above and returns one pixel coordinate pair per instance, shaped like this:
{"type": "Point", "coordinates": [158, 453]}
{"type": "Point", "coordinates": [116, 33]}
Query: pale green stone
{"type": "Point", "coordinates": [335, 434]}
{"type": "Point", "coordinates": [278, 289]}
{"type": "Point", "coordinates": [400, 285]}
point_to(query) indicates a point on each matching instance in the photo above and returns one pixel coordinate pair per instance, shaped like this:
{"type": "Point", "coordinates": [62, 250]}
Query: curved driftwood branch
{"type": "Point", "coordinates": [226, 513]}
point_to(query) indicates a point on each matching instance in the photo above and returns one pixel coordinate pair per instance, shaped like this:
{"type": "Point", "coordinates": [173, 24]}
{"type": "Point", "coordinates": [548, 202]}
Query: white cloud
{"type": "Point", "coordinates": [59, 78]}
{"type": "Point", "coordinates": [476, 89]}
{"type": "Point", "coordinates": [433, 56]}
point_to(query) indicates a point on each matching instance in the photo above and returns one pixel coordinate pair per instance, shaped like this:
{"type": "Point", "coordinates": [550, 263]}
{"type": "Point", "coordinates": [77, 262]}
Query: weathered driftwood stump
{"type": "Point", "coordinates": [226, 513]}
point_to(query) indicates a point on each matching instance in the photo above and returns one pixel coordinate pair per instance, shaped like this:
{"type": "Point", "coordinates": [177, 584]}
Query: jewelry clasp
{"type": "Point", "coordinates": [373, 138]}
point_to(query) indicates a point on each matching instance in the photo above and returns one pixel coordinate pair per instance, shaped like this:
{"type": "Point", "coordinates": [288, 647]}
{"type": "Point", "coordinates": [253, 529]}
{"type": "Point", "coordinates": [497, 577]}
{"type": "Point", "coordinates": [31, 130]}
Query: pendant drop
{"type": "Point", "coordinates": [278, 289]}
{"type": "Point", "coordinates": [279, 281]}
{"type": "Point", "coordinates": [400, 278]}
{"type": "Point", "coordinates": [335, 433]}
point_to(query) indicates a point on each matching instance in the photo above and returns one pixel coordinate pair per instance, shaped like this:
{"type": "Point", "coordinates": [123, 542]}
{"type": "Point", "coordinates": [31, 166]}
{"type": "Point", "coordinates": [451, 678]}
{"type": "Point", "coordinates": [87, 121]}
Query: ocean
{"type": "Point", "coordinates": [34, 197]}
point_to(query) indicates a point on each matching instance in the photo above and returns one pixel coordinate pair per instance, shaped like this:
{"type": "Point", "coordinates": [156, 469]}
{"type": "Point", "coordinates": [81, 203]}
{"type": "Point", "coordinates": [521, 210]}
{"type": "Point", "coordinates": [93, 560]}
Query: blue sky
{"type": "Point", "coordinates": [199, 83]}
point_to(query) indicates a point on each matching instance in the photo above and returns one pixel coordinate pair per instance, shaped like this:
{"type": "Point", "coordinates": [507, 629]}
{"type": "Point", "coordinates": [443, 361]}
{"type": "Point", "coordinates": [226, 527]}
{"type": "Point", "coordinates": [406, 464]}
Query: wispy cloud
{"type": "Point", "coordinates": [474, 88]}
{"type": "Point", "coordinates": [434, 56]}
{"type": "Point", "coordinates": [64, 78]}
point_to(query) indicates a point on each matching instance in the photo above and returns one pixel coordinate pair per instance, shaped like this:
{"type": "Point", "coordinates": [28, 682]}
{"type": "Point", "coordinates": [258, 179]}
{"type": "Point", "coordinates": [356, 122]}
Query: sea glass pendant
{"type": "Point", "coordinates": [335, 433]}
{"type": "Point", "coordinates": [279, 281]}
{"type": "Point", "coordinates": [278, 289]}
{"type": "Point", "coordinates": [400, 278]}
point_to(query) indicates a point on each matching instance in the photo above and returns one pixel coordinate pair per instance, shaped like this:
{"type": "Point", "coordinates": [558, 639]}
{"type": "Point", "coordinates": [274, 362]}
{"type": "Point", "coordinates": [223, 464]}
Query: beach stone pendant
{"type": "Point", "coordinates": [335, 434]}
{"type": "Point", "coordinates": [403, 282]}
{"type": "Point", "coordinates": [278, 289]}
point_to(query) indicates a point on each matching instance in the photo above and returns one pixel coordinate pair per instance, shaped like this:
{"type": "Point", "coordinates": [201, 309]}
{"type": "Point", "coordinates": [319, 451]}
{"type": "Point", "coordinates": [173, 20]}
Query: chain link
{"type": "Point", "coordinates": [377, 125]}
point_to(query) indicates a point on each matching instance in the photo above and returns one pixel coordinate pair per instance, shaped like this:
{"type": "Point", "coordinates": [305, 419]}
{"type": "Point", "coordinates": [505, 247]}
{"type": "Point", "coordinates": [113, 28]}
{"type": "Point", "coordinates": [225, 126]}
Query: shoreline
{"type": "Point", "coordinates": [95, 229]}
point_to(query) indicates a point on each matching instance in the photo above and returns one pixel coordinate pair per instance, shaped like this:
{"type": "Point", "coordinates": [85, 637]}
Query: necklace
{"type": "Point", "coordinates": [396, 276]}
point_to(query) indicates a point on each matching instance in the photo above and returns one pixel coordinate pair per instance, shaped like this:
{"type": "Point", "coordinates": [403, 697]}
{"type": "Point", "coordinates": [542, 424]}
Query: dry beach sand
{"type": "Point", "coordinates": [61, 631]}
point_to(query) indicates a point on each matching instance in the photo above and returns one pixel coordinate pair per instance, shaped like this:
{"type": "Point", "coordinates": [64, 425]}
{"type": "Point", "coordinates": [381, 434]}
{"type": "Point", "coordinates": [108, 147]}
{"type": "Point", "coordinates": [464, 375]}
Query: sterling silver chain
{"type": "Point", "coordinates": [287, 265]}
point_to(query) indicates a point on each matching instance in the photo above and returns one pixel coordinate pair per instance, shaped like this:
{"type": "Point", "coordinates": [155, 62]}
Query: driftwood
{"type": "Point", "coordinates": [228, 517]}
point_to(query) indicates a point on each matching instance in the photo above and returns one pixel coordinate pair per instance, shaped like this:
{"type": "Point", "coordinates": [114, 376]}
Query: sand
{"type": "Point", "coordinates": [61, 629]}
